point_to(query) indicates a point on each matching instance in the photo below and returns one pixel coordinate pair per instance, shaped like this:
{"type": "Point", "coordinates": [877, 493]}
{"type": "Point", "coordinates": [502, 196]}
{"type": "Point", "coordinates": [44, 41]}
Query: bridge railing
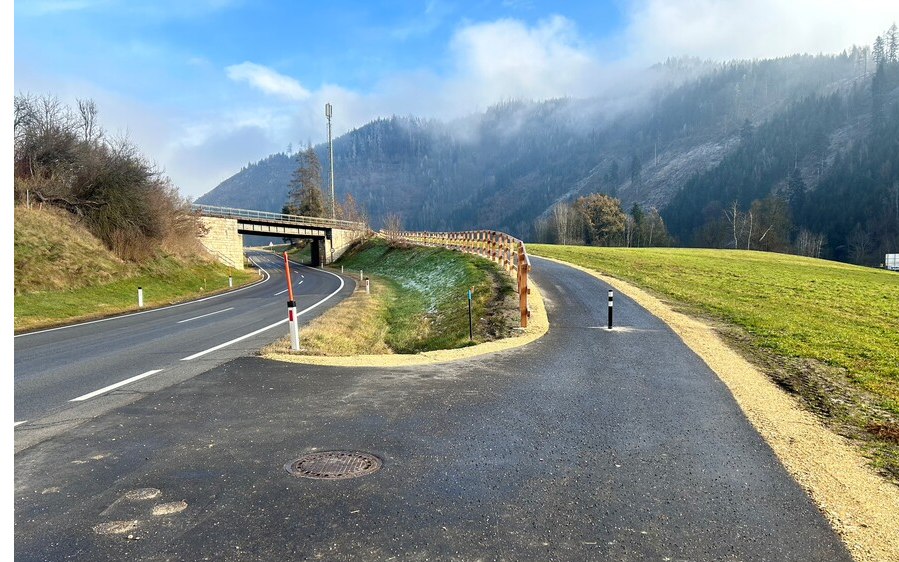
{"type": "Point", "coordinates": [509, 252]}
{"type": "Point", "coordinates": [229, 212]}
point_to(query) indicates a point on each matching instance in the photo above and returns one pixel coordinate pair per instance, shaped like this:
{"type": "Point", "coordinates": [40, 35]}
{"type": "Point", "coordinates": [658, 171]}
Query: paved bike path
{"type": "Point", "coordinates": [584, 445]}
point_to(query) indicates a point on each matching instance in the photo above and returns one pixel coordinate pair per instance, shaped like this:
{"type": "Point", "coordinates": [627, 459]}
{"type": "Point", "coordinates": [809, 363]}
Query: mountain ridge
{"type": "Point", "coordinates": [504, 168]}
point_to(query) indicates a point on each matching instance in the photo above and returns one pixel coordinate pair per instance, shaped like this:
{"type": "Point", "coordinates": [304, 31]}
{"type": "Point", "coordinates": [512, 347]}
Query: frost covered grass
{"type": "Point", "coordinates": [825, 330]}
{"type": "Point", "coordinates": [422, 296]}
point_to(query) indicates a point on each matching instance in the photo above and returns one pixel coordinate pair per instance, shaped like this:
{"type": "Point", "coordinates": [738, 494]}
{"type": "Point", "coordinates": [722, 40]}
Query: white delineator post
{"type": "Point", "coordinates": [140, 297]}
{"type": "Point", "coordinates": [291, 310]}
{"type": "Point", "coordinates": [610, 308]}
{"type": "Point", "coordinates": [367, 287]}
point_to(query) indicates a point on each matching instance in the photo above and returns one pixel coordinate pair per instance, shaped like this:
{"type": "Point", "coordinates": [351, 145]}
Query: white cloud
{"type": "Point", "coordinates": [267, 80]}
{"type": "Point", "coordinates": [746, 29]}
{"type": "Point", "coordinates": [508, 59]}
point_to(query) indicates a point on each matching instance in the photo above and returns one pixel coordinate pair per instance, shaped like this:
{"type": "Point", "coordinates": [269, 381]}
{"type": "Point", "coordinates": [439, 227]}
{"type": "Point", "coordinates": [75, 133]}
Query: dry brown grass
{"type": "Point", "coordinates": [53, 251]}
{"type": "Point", "coordinates": [356, 326]}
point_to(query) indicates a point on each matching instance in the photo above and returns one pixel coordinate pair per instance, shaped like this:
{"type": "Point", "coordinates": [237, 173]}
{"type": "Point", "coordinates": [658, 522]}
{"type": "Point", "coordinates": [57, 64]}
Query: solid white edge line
{"type": "Point", "coordinates": [115, 386]}
{"type": "Point", "coordinates": [267, 277]}
{"type": "Point", "coordinates": [19, 423]}
{"type": "Point", "coordinates": [235, 340]}
{"type": "Point", "coordinates": [259, 331]}
{"type": "Point", "coordinates": [204, 315]}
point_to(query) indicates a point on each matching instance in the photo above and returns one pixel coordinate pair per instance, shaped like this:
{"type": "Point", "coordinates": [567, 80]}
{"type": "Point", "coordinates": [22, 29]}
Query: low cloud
{"type": "Point", "coordinates": [746, 29]}
{"type": "Point", "coordinates": [508, 59]}
{"type": "Point", "coordinates": [267, 80]}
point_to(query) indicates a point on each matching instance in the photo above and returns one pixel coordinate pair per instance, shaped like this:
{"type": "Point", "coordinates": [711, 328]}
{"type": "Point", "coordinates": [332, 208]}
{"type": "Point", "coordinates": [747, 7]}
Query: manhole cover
{"type": "Point", "coordinates": [334, 465]}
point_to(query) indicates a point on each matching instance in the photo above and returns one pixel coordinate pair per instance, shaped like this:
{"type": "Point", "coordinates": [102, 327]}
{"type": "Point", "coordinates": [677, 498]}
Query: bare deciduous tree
{"type": "Point", "coordinates": [809, 244]}
{"type": "Point", "coordinates": [87, 109]}
{"type": "Point", "coordinates": [735, 219]}
{"type": "Point", "coordinates": [561, 213]}
{"type": "Point", "coordinates": [393, 225]}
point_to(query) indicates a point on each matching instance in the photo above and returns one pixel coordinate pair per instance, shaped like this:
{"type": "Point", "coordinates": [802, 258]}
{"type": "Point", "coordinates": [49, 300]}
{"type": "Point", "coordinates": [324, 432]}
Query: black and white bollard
{"type": "Point", "coordinates": [610, 309]}
{"type": "Point", "coordinates": [292, 324]}
{"type": "Point", "coordinates": [230, 282]}
{"type": "Point", "coordinates": [140, 297]}
{"type": "Point", "coordinates": [367, 286]}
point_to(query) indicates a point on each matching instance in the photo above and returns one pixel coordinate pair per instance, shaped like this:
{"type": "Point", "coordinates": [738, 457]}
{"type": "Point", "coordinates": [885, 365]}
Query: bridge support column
{"type": "Point", "coordinates": [318, 252]}
{"type": "Point", "coordinates": [223, 240]}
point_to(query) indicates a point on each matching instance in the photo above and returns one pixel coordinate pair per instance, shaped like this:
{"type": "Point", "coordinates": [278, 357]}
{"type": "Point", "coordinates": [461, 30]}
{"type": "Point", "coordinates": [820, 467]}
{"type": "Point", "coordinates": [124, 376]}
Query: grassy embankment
{"type": "Point", "coordinates": [63, 273]}
{"type": "Point", "coordinates": [418, 302]}
{"type": "Point", "coordinates": [825, 330]}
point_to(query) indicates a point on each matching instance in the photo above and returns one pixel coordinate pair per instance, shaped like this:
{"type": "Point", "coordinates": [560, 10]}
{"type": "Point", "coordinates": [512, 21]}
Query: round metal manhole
{"type": "Point", "coordinates": [334, 465]}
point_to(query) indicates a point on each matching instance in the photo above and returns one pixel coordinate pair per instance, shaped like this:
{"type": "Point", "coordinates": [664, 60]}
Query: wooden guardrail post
{"type": "Point", "coordinates": [523, 290]}
{"type": "Point", "coordinates": [507, 253]}
{"type": "Point", "coordinates": [494, 249]}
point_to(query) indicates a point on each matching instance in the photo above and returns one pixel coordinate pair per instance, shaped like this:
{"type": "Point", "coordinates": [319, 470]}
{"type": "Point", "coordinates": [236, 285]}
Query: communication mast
{"type": "Point", "coordinates": [330, 161]}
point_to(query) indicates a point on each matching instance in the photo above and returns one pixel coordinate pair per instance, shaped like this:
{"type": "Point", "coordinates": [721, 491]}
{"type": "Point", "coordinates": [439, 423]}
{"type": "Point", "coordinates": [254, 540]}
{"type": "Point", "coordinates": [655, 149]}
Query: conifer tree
{"type": "Point", "coordinates": [892, 44]}
{"type": "Point", "coordinates": [305, 198]}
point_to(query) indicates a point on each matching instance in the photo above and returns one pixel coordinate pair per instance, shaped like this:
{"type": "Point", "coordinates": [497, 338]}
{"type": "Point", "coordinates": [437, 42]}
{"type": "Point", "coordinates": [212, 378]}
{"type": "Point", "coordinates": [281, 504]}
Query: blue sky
{"type": "Point", "coordinates": [204, 87]}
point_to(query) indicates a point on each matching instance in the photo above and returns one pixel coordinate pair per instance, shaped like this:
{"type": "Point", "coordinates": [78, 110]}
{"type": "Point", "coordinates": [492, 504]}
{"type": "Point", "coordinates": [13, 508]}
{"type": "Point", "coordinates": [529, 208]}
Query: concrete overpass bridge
{"type": "Point", "coordinates": [226, 227]}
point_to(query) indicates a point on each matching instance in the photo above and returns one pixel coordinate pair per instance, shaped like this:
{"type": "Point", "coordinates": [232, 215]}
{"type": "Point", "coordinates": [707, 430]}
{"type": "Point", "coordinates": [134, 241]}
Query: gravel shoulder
{"type": "Point", "coordinates": [860, 505]}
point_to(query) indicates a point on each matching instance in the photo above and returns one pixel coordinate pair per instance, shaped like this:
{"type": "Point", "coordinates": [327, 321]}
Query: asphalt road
{"type": "Point", "coordinates": [56, 370]}
{"type": "Point", "coordinates": [587, 444]}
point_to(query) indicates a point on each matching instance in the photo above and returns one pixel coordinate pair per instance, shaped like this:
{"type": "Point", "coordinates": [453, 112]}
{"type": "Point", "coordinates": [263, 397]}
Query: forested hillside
{"type": "Point", "coordinates": [758, 154]}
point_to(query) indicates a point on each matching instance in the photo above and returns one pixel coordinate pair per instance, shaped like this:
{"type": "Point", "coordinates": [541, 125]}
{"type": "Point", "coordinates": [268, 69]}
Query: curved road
{"type": "Point", "coordinates": [586, 444]}
{"type": "Point", "coordinates": [58, 368]}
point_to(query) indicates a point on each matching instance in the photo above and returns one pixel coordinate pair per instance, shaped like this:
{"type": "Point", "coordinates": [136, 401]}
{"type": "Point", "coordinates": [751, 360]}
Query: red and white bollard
{"type": "Point", "coordinates": [291, 310]}
{"type": "Point", "coordinates": [292, 323]}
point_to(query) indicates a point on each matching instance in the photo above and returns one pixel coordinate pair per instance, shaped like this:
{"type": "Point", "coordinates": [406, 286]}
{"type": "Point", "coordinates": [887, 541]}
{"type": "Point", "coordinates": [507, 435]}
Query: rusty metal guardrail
{"type": "Point", "coordinates": [229, 212]}
{"type": "Point", "coordinates": [509, 252]}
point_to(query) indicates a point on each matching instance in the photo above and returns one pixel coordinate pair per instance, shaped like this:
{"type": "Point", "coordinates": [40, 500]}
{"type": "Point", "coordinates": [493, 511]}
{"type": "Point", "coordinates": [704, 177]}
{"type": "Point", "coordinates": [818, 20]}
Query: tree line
{"type": "Point", "coordinates": [598, 220]}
